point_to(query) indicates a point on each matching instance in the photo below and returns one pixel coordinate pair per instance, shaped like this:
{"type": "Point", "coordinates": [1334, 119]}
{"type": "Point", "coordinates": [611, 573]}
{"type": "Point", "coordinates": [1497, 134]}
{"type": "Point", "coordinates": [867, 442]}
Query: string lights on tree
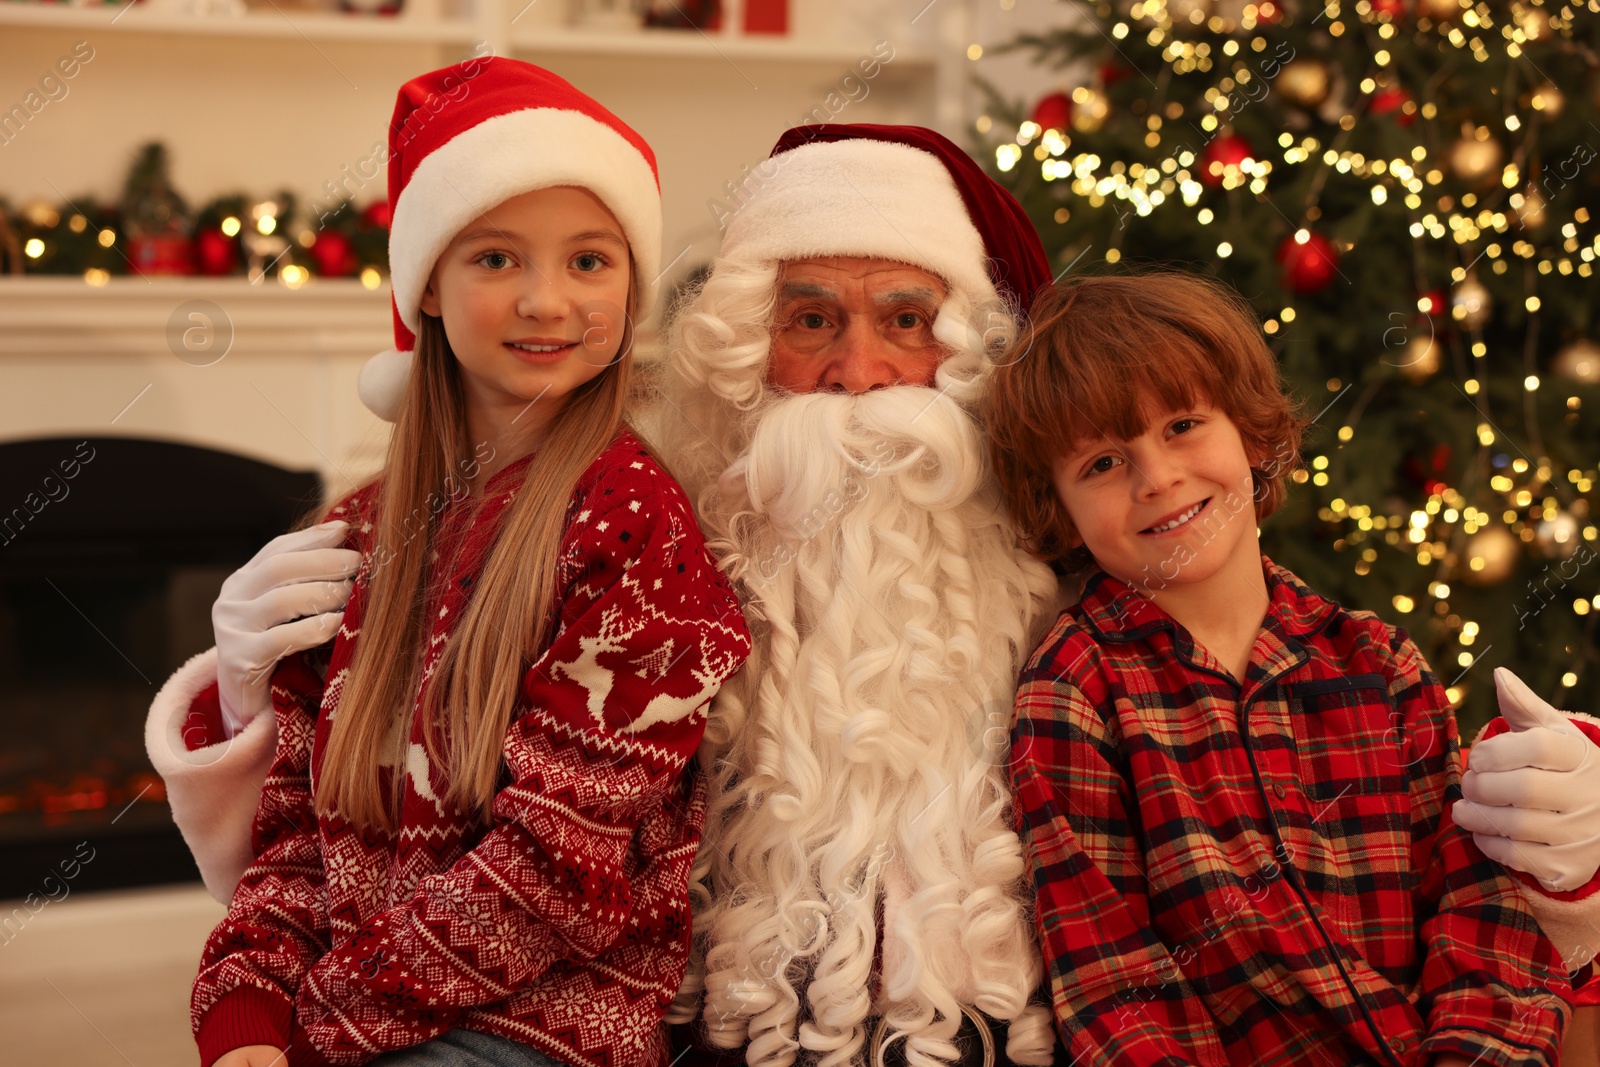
{"type": "Point", "coordinates": [1408, 191]}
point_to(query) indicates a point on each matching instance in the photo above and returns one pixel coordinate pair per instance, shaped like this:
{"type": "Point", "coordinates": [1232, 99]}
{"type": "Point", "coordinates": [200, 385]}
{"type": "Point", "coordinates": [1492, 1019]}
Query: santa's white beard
{"type": "Point", "coordinates": [860, 755]}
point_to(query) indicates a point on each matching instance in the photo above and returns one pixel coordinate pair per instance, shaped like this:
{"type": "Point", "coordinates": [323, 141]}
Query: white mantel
{"type": "Point", "coordinates": [96, 360]}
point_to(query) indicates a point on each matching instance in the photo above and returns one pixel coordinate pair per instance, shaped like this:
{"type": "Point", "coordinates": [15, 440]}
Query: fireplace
{"type": "Point", "coordinates": [112, 550]}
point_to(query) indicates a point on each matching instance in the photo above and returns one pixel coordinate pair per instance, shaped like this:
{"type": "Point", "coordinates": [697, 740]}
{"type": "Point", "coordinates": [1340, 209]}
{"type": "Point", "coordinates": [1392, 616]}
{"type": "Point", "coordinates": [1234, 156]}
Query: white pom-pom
{"type": "Point", "coordinates": [382, 383]}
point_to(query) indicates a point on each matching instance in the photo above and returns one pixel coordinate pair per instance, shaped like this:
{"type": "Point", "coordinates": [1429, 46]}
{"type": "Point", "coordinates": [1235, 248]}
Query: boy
{"type": "Point", "coordinates": [1234, 792]}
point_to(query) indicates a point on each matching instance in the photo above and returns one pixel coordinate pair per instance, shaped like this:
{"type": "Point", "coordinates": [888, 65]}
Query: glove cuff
{"type": "Point", "coordinates": [1588, 724]}
{"type": "Point", "coordinates": [214, 789]}
{"type": "Point", "coordinates": [235, 719]}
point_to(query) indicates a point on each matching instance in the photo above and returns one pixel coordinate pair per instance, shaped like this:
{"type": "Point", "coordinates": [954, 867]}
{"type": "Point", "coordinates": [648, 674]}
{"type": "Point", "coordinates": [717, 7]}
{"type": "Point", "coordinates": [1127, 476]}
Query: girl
{"type": "Point", "coordinates": [476, 832]}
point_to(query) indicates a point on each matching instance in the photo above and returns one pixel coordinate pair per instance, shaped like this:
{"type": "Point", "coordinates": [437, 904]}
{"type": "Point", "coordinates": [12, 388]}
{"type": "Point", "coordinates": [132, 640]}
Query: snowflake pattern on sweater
{"type": "Point", "coordinates": [564, 925]}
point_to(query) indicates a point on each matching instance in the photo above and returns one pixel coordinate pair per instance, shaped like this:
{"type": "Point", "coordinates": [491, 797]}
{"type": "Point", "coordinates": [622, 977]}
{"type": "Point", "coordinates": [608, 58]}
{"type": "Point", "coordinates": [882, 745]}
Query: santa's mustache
{"type": "Point", "coordinates": [810, 456]}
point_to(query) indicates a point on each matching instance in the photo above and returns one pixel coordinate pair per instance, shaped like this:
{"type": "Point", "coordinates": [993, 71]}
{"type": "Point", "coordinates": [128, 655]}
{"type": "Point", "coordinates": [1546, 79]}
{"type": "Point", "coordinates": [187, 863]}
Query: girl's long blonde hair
{"type": "Point", "coordinates": [475, 687]}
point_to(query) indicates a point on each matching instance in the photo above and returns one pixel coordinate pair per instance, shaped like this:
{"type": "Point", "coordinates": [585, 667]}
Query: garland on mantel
{"type": "Point", "coordinates": [152, 231]}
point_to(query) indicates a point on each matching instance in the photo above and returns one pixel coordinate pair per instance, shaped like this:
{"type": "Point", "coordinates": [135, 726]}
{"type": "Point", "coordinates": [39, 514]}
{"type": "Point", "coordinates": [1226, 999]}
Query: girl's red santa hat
{"type": "Point", "coordinates": [468, 137]}
{"type": "Point", "coordinates": [900, 193]}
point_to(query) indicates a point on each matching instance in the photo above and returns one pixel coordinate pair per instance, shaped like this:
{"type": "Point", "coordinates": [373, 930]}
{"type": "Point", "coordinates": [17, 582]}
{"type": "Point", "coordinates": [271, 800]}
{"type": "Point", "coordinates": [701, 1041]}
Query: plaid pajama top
{"type": "Point", "coordinates": [1266, 873]}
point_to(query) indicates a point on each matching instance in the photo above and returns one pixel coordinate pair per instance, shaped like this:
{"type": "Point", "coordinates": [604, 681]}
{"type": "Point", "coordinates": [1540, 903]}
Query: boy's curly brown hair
{"type": "Point", "coordinates": [1101, 356]}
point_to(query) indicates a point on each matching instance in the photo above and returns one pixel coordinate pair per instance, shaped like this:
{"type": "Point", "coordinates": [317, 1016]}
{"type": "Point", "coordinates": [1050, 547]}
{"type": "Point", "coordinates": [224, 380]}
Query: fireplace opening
{"type": "Point", "coordinates": [112, 551]}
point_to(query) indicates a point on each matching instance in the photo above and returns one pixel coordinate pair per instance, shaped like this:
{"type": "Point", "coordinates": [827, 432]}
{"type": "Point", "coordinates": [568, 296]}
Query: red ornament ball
{"type": "Point", "coordinates": [1308, 266]}
{"type": "Point", "coordinates": [1420, 472]}
{"type": "Point", "coordinates": [334, 255]}
{"type": "Point", "coordinates": [1268, 11]}
{"type": "Point", "coordinates": [1433, 302]}
{"type": "Point", "coordinates": [215, 253]}
{"type": "Point", "coordinates": [1427, 472]}
{"type": "Point", "coordinates": [1053, 112]}
{"type": "Point", "coordinates": [1226, 151]}
{"type": "Point", "coordinates": [1112, 73]}
{"type": "Point", "coordinates": [378, 214]}
{"type": "Point", "coordinates": [1394, 9]}
{"type": "Point", "coordinates": [1392, 101]}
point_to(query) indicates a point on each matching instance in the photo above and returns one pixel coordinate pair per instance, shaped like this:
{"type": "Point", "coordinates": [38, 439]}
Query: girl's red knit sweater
{"type": "Point", "coordinates": [565, 924]}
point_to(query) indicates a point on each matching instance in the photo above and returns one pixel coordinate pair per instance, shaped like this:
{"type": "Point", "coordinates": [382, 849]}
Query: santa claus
{"type": "Point", "coordinates": [860, 885]}
{"type": "Point", "coordinates": [860, 873]}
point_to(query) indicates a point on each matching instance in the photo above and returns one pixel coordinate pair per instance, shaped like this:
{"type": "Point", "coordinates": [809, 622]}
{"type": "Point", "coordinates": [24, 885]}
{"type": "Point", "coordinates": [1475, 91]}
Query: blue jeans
{"type": "Point", "coordinates": [466, 1048]}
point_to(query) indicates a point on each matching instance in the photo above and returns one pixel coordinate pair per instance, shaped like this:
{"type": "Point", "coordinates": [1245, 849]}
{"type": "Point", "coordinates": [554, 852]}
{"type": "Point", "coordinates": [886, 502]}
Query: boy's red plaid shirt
{"type": "Point", "coordinates": [1265, 874]}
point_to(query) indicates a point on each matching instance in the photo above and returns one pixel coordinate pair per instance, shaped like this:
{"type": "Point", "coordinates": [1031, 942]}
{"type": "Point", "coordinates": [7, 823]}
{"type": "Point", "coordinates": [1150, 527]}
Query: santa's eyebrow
{"type": "Point", "coordinates": [920, 295]}
{"type": "Point", "coordinates": [806, 290]}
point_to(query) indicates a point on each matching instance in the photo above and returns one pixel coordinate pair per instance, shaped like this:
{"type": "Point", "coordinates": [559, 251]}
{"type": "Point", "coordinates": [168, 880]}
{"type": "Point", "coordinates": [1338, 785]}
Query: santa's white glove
{"type": "Point", "coordinates": [1533, 793]}
{"type": "Point", "coordinates": [290, 596]}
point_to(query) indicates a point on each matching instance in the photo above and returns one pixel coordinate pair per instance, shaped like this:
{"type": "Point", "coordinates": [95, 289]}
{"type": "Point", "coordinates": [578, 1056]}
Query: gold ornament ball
{"type": "Point", "coordinates": [1557, 538]}
{"type": "Point", "coordinates": [1304, 82]}
{"type": "Point", "coordinates": [1420, 359]}
{"type": "Point", "coordinates": [1474, 160]}
{"type": "Point", "coordinates": [1489, 556]}
{"type": "Point", "coordinates": [1579, 362]}
{"type": "Point", "coordinates": [1470, 304]}
{"type": "Point", "coordinates": [1089, 109]}
{"type": "Point", "coordinates": [1531, 210]}
{"type": "Point", "coordinates": [1438, 10]}
{"type": "Point", "coordinates": [1545, 99]}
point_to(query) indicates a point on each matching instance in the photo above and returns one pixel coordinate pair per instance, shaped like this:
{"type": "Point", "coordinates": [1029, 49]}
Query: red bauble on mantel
{"type": "Point", "coordinates": [215, 252]}
{"type": "Point", "coordinates": [1053, 112]}
{"type": "Point", "coordinates": [1309, 265]}
{"type": "Point", "coordinates": [334, 255]}
{"type": "Point", "coordinates": [378, 214]}
{"type": "Point", "coordinates": [1229, 150]}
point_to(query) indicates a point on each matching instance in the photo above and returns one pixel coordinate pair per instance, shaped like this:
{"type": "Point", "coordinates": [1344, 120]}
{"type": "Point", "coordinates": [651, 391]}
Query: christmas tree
{"type": "Point", "coordinates": [1408, 191]}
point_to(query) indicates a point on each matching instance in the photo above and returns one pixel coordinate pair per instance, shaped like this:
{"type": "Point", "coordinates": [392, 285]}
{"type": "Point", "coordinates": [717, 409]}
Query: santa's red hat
{"type": "Point", "coordinates": [468, 137]}
{"type": "Point", "coordinates": [900, 193]}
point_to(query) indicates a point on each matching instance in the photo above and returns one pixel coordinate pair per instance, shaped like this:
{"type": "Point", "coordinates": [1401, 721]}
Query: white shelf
{"type": "Point", "coordinates": [693, 44]}
{"type": "Point", "coordinates": [48, 316]}
{"type": "Point", "coordinates": [162, 285]}
{"type": "Point", "coordinates": [313, 25]}
{"type": "Point", "coordinates": [406, 29]}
